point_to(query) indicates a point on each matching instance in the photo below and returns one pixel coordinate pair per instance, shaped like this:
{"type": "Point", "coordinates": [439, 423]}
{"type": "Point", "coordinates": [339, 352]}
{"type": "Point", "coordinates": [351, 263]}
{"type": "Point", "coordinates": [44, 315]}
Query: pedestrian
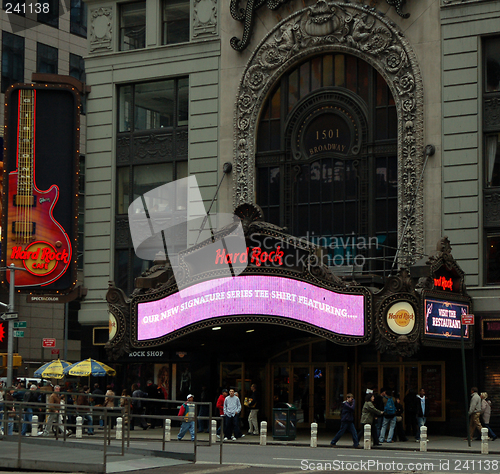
{"type": "Point", "coordinates": [486, 414]}
{"type": "Point", "coordinates": [83, 409]}
{"type": "Point", "coordinates": [400, 431]}
{"type": "Point", "coordinates": [379, 405]}
{"type": "Point", "coordinates": [474, 412]}
{"type": "Point", "coordinates": [220, 406]}
{"type": "Point", "coordinates": [10, 410]}
{"type": "Point", "coordinates": [422, 412]}
{"type": "Point", "coordinates": [54, 407]}
{"type": "Point", "coordinates": [389, 416]}
{"type": "Point", "coordinates": [347, 421]}
{"type": "Point", "coordinates": [30, 396]}
{"type": "Point", "coordinates": [232, 407]}
{"type": "Point", "coordinates": [187, 411]}
{"type": "Point", "coordinates": [109, 403]}
{"type": "Point", "coordinates": [368, 415]}
{"type": "Point", "coordinates": [152, 409]}
{"type": "Point", "coordinates": [253, 405]}
{"type": "Point", "coordinates": [237, 430]}
{"type": "Point", "coordinates": [410, 406]}
{"type": "Point", "coordinates": [125, 405]}
{"type": "Point", "coordinates": [137, 407]}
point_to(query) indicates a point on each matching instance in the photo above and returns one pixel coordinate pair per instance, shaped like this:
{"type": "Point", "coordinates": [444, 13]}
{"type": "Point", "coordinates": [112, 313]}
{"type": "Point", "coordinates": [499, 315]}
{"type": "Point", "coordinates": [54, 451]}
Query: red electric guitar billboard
{"type": "Point", "coordinates": [40, 187]}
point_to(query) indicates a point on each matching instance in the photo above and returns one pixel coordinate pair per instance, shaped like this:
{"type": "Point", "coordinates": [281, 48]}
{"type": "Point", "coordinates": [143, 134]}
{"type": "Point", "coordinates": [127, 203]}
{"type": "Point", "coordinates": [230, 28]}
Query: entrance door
{"type": "Point", "coordinates": [302, 394]}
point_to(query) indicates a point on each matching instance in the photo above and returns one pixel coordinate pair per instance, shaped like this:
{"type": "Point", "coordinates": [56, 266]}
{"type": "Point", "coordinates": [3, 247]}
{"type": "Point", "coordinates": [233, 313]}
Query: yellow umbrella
{"type": "Point", "coordinates": [88, 367]}
{"type": "Point", "coordinates": [53, 369]}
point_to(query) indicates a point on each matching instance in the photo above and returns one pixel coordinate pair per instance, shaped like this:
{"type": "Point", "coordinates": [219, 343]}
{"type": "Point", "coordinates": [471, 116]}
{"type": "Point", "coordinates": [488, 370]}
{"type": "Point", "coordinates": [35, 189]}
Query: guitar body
{"type": "Point", "coordinates": [35, 240]}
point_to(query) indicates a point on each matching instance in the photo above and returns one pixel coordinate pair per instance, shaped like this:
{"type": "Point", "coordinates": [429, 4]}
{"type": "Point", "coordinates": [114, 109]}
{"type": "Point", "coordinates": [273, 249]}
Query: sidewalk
{"type": "Point", "coordinates": [435, 443]}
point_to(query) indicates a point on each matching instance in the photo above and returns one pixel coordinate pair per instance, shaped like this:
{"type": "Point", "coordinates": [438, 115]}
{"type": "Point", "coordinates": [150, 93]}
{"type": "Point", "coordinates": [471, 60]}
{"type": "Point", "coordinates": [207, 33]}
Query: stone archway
{"type": "Point", "coordinates": [360, 31]}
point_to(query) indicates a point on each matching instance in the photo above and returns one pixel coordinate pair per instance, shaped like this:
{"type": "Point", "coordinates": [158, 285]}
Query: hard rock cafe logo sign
{"type": "Point", "coordinates": [443, 283]}
{"type": "Point", "coordinates": [40, 258]}
{"type": "Point", "coordinates": [401, 317]}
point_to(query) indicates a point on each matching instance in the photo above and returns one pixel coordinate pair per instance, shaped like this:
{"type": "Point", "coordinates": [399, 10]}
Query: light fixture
{"type": "Point", "coordinates": [251, 330]}
{"type": "Point", "coordinates": [216, 328]}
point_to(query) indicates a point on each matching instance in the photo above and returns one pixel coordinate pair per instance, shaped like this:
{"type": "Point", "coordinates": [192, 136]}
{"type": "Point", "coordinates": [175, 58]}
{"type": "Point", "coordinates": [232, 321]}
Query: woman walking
{"type": "Point", "coordinates": [368, 415]}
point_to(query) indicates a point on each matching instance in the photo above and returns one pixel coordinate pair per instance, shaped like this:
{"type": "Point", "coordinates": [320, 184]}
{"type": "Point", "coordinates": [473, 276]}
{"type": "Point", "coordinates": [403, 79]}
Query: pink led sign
{"type": "Point", "coordinates": [340, 313]}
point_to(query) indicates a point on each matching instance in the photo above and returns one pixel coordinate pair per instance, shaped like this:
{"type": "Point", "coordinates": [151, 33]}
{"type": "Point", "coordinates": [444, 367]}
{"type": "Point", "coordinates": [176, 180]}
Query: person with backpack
{"type": "Point", "coordinates": [422, 411]}
{"type": "Point", "coordinates": [389, 416]}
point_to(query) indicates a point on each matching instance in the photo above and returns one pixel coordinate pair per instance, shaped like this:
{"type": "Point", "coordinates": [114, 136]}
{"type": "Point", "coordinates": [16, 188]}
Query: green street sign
{"type": "Point", "coordinates": [18, 333]}
{"type": "Point", "coordinates": [20, 324]}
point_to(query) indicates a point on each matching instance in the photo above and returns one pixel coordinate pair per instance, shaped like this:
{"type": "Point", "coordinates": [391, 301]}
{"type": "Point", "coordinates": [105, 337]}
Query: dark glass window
{"type": "Point", "coordinates": [132, 26]}
{"type": "Point", "coordinates": [492, 65]}
{"type": "Point", "coordinates": [154, 117]}
{"type": "Point", "coordinates": [46, 59]}
{"type": "Point", "coordinates": [491, 156]}
{"type": "Point", "coordinates": [175, 21]}
{"type": "Point", "coordinates": [153, 105]}
{"type": "Point", "coordinates": [12, 59]}
{"type": "Point", "coordinates": [77, 70]}
{"type": "Point", "coordinates": [345, 203]}
{"type": "Point", "coordinates": [78, 18]}
{"type": "Point", "coordinates": [50, 15]}
{"type": "Point", "coordinates": [15, 7]}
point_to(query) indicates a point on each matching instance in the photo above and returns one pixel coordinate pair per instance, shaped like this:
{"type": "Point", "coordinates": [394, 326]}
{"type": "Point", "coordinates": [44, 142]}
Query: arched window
{"type": "Point", "coordinates": [327, 160]}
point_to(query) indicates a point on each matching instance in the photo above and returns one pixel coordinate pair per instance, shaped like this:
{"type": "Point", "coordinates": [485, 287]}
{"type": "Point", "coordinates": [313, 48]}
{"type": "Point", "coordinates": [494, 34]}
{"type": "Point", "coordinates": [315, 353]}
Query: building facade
{"type": "Point", "coordinates": [355, 126]}
{"type": "Point", "coordinates": [52, 40]}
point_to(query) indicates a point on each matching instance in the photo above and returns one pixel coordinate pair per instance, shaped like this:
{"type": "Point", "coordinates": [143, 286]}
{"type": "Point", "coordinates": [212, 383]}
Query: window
{"type": "Point", "coordinates": [153, 105]}
{"type": "Point", "coordinates": [315, 174]}
{"type": "Point", "coordinates": [152, 150]}
{"type": "Point", "coordinates": [12, 59]}
{"type": "Point", "coordinates": [175, 21]}
{"type": "Point", "coordinates": [51, 14]}
{"type": "Point", "coordinates": [46, 59]}
{"type": "Point", "coordinates": [491, 157]}
{"type": "Point", "coordinates": [78, 18]}
{"type": "Point", "coordinates": [15, 7]}
{"type": "Point", "coordinates": [77, 70]}
{"type": "Point", "coordinates": [132, 26]}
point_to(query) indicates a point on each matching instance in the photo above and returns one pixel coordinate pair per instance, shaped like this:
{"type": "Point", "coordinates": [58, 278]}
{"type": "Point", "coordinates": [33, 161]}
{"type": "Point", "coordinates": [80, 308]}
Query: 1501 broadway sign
{"type": "Point", "coordinates": [272, 296]}
{"type": "Point", "coordinates": [443, 319]}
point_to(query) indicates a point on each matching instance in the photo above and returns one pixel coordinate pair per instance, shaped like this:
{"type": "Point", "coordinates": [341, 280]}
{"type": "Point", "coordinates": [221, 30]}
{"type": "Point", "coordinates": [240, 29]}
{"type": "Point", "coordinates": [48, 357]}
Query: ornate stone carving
{"type": "Point", "coordinates": [101, 37]}
{"type": "Point", "coordinates": [153, 146]}
{"type": "Point", "coordinates": [204, 17]}
{"type": "Point", "coordinates": [492, 210]}
{"type": "Point", "coordinates": [122, 237]}
{"type": "Point", "coordinates": [492, 114]}
{"type": "Point", "coordinates": [318, 23]}
{"type": "Point", "coordinates": [353, 29]}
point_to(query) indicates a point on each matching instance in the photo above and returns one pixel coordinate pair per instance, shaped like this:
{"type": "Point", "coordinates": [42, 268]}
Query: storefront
{"type": "Point", "coordinates": [288, 324]}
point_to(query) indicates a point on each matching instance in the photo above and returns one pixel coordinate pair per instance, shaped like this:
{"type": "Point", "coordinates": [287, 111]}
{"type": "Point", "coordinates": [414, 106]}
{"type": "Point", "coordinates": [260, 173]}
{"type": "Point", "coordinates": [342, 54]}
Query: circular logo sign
{"type": "Point", "coordinates": [40, 258]}
{"type": "Point", "coordinates": [113, 326]}
{"type": "Point", "coordinates": [401, 317]}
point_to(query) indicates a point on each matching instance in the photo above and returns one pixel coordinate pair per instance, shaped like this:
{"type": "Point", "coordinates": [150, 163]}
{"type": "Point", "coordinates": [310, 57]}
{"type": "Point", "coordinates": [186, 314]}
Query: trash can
{"type": "Point", "coordinates": [285, 422]}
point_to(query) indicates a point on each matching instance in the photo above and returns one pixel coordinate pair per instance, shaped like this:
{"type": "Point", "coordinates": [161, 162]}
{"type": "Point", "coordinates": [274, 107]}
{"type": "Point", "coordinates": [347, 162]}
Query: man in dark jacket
{"type": "Point", "coordinates": [347, 421]}
{"type": "Point", "coordinates": [422, 411]}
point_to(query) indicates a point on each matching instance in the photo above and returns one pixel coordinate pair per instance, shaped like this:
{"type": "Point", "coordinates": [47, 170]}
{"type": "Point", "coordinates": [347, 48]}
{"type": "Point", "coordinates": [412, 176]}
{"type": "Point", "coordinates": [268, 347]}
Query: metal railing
{"type": "Point", "coordinates": [17, 412]}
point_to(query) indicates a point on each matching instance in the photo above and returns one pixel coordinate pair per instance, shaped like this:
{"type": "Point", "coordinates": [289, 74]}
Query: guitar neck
{"type": "Point", "coordinates": [26, 148]}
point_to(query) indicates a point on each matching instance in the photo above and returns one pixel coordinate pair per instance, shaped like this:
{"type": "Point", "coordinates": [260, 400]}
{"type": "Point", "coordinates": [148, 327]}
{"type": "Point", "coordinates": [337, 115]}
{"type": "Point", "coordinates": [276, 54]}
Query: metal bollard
{"type": "Point", "coordinates": [314, 435]}
{"type": "Point", "coordinates": [119, 428]}
{"type": "Point", "coordinates": [168, 429]}
{"type": "Point", "coordinates": [484, 441]}
{"type": "Point", "coordinates": [367, 437]}
{"type": "Point", "coordinates": [213, 431]}
{"type": "Point", "coordinates": [79, 423]}
{"type": "Point", "coordinates": [34, 426]}
{"type": "Point", "coordinates": [423, 438]}
{"type": "Point", "coordinates": [263, 433]}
